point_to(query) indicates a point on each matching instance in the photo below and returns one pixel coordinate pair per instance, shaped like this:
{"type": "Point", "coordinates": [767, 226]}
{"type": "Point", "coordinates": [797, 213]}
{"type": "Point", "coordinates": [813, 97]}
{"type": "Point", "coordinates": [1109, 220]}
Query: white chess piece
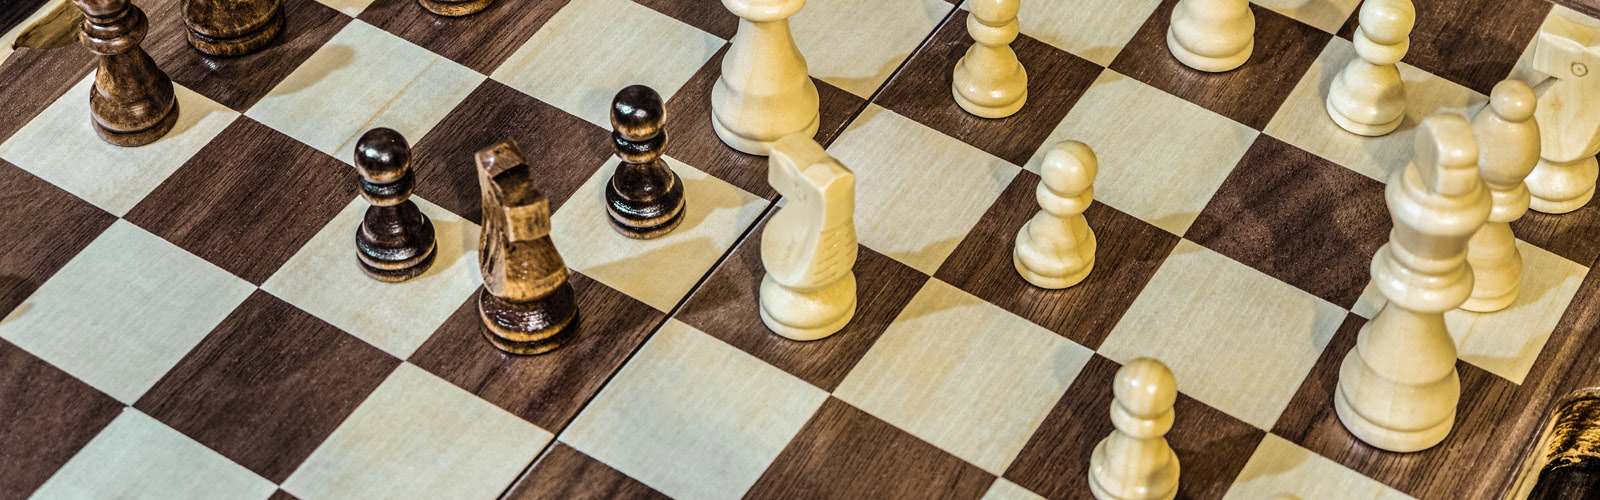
{"type": "Point", "coordinates": [1569, 116]}
{"type": "Point", "coordinates": [1398, 387]}
{"type": "Point", "coordinates": [989, 80]}
{"type": "Point", "coordinates": [1135, 462]}
{"type": "Point", "coordinates": [1212, 35]}
{"type": "Point", "coordinates": [1367, 96]}
{"type": "Point", "coordinates": [1056, 248]}
{"type": "Point", "coordinates": [809, 246]}
{"type": "Point", "coordinates": [1508, 148]}
{"type": "Point", "coordinates": [764, 92]}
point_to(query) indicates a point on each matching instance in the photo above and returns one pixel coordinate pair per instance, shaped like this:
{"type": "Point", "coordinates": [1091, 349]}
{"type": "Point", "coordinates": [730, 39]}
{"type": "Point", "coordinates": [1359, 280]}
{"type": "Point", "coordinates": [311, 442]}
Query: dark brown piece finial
{"type": "Point", "coordinates": [527, 305]}
{"type": "Point", "coordinates": [232, 27]}
{"type": "Point", "coordinates": [644, 197]}
{"type": "Point", "coordinates": [395, 241]}
{"type": "Point", "coordinates": [132, 101]}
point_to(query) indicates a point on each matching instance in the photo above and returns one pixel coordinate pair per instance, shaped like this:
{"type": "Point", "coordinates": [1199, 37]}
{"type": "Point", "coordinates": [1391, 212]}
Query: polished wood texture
{"type": "Point", "coordinates": [238, 82]}
{"type": "Point", "coordinates": [232, 27]}
{"type": "Point", "coordinates": [481, 41]}
{"type": "Point", "coordinates": [49, 416]}
{"type": "Point", "coordinates": [644, 196]}
{"type": "Point", "coordinates": [132, 99]}
{"type": "Point", "coordinates": [395, 240]}
{"type": "Point", "coordinates": [526, 303]}
{"type": "Point", "coordinates": [567, 474]}
{"type": "Point", "coordinates": [1570, 452]}
{"type": "Point", "coordinates": [454, 8]}
{"type": "Point", "coordinates": [47, 226]}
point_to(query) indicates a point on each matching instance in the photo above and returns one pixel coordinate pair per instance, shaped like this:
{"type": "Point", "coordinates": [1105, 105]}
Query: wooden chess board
{"type": "Point", "coordinates": [187, 320]}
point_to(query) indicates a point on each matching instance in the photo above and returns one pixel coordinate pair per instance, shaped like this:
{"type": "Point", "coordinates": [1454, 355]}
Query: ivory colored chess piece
{"type": "Point", "coordinates": [1135, 462]}
{"type": "Point", "coordinates": [1056, 248]}
{"type": "Point", "coordinates": [395, 241]}
{"type": "Point", "coordinates": [527, 303]}
{"type": "Point", "coordinates": [809, 246]}
{"type": "Point", "coordinates": [455, 8]}
{"type": "Point", "coordinates": [1508, 148]}
{"type": "Point", "coordinates": [132, 102]}
{"type": "Point", "coordinates": [1569, 116]}
{"type": "Point", "coordinates": [1212, 35]}
{"type": "Point", "coordinates": [1368, 96]}
{"type": "Point", "coordinates": [232, 27]}
{"type": "Point", "coordinates": [764, 93]}
{"type": "Point", "coordinates": [1398, 387]}
{"type": "Point", "coordinates": [989, 80]}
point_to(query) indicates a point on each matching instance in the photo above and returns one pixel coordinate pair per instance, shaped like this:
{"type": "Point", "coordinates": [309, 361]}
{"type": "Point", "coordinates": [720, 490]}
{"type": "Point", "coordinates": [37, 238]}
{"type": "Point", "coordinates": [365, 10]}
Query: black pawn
{"type": "Point", "coordinates": [395, 241]}
{"type": "Point", "coordinates": [644, 197]}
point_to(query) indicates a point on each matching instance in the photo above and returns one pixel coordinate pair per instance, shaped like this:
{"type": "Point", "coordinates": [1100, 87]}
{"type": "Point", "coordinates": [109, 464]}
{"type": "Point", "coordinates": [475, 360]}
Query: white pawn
{"type": "Point", "coordinates": [1135, 462]}
{"type": "Point", "coordinates": [989, 80]}
{"type": "Point", "coordinates": [809, 246]}
{"type": "Point", "coordinates": [1367, 96]}
{"type": "Point", "coordinates": [1508, 149]}
{"type": "Point", "coordinates": [764, 93]}
{"type": "Point", "coordinates": [1056, 248]}
{"type": "Point", "coordinates": [1568, 114]}
{"type": "Point", "coordinates": [1212, 35]}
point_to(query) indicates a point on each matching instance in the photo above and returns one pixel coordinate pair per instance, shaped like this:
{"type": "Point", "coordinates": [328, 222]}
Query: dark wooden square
{"type": "Point", "coordinates": [708, 15]}
{"type": "Point", "coordinates": [1128, 252]}
{"type": "Point", "coordinates": [1471, 42]}
{"type": "Point", "coordinates": [843, 452]}
{"type": "Point", "coordinates": [694, 142]}
{"type": "Point", "coordinates": [281, 495]}
{"type": "Point", "coordinates": [1452, 469]}
{"type": "Point", "coordinates": [1299, 218]}
{"type": "Point", "coordinates": [239, 82]}
{"type": "Point", "coordinates": [546, 389]}
{"type": "Point", "coordinates": [267, 385]}
{"type": "Point", "coordinates": [565, 150]}
{"type": "Point", "coordinates": [479, 41]}
{"type": "Point", "coordinates": [44, 227]}
{"type": "Point", "coordinates": [1250, 94]}
{"type": "Point", "coordinates": [48, 74]}
{"type": "Point", "coordinates": [248, 200]}
{"type": "Point", "coordinates": [1570, 235]}
{"type": "Point", "coordinates": [921, 91]}
{"type": "Point", "coordinates": [48, 415]}
{"type": "Point", "coordinates": [563, 473]}
{"type": "Point", "coordinates": [1212, 447]}
{"type": "Point", "coordinates": [727, 306]}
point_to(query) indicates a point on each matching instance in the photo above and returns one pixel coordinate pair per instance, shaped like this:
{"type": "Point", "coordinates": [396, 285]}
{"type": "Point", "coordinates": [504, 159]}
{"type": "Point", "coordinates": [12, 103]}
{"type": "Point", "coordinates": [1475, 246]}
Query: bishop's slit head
{"type": "Point", "coordinates": [637, 113]}
{"type": "Point", "coordinates": [382, 156]}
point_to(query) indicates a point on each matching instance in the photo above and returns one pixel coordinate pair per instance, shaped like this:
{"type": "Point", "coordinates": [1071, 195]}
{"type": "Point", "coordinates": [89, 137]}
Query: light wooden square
{"type": "Point", "coordinates": [364, 78]}
{"type": "Point", "coordinates": [1007, 490]}
{"type": "Point", "coordinates": [324, 279]}
{"type": "Point", "coordinates": [1326, 15]}
{"type": "Point", "coordinates": [661, 271]}
{"type": "Point", "coordinates": [1083, 27]}
{"type": "Point", "coordinates": [1508, 341]}
{"type": "Point", "coordinates": [61, 146]}
{"type": "Point", "coordinates": [350, 8]}
{"type": "Point", "coordinates": [693, 417]}
{"type": "Point", "coordinates": [124, 311]}
{"type": "Point", "coordinates": [1236, 339]}
{"type": "Point", "coordinates": [964, 375]}
{"type": "Point", "coordinates": [856, 45]}
{"type": "Point", "coordinates": [139, 458]}
{"type": "Point", "coordinates": [418, 436]}
{"type": "Point", "coordinates": [1143, 138]}
{"type": "Point", "coordinates": [593, 48]}
{"type": "Point", "coordinates": [918, 191]}
{"type": "Point", "coordinates": [1279, 467]}
{"type": "Point", "coordinates": [1303, 120]}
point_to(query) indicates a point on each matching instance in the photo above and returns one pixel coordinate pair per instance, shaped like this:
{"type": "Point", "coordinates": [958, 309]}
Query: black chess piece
{"type": "Point", "coordinates": [395, 241]}
{"type": "Point", "coordinates": [232, 27]}
{"type": "Point", "coordinates": [132, 101]}
{"type": "Point", "coordinates": [644, 197]}
{"type": "Point", "coordinates": [527, 304]}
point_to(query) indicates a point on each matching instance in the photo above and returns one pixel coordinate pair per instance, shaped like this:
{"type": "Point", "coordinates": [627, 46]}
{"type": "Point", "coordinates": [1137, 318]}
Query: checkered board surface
{"type": "Point", "coordinates": [186, 320]}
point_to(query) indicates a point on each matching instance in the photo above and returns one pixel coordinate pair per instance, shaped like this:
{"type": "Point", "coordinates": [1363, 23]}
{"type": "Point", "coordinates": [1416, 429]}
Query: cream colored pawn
{"type": "Point", "coordinates": [1135, 462]}
{"type": "Point", "coordinates": [764, 93]}
{"type": "Point", "coordinates": [1569, 116]}
{"type": "Point", "coordinates": [809, 246]}
{"type": "Point", "coordinates": [1398, 387]}
{"type": "Point", "coordinates": [1367, 96]}
{"type": "Point", "coordinates": [1508, 148]}
{"type": "Point", "coordinates": [1056, 248]}
{"type": "Point", "coordinates": [1212, 35]}
{"type": "Point", "coordinates": [989, 81]}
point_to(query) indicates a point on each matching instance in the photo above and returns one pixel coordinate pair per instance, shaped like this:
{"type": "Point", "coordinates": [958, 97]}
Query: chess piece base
{"type": "Point", "coordinates": [399, 274]}
{"type": "Point", "coordinates": [1359, 128]}
{"type": "Point", "coordinates": [455, 9]}
{"type": "Point", "coordinates": [1050, 282]}
{"type": "Point", "coordinates": [1559, 189]}
{"type": "Point", "coordinates": [982, 111]}
{"type": "Point", "coordinates": [240, 45]}
{"type": "Point", "coordinates": [1388, 439]}
{"type": "Point", "coordinates": [819, 304]}
{"type": "Point", "coordinates": [139, 137]}
{"type": "Point", "coordinates": [653, 217]}
{"type": "Point", "coordinates": [754, 146]}
{"type": "Point", "coordinates": [647, 232]}
{"type": "Point", "coordinates": [528, 328]}
{"type": "Point", "coordinates": [1208, 64]}
{"type": "Point", "coordinates": [1490, 304]}
{"type": "Point", "coordinates": [1100, 492]}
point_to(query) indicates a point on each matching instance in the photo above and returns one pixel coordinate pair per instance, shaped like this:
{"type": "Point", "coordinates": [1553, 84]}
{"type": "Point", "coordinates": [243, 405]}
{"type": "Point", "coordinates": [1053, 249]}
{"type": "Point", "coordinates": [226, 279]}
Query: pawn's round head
{"type": "Point", "coordinates": [101, 8]}
{"type": "Point", "coordinates": [1513, 100]}
{"type": "Point", "coordinates": [637, 113]}
{"type": "Point", "coordinates": [1069, 168]}
{"type": "Point", "coordinates": [1388, 21]}
{"type": "Point", "coordinates": [1145, 387]}
{"type": "Point", "coordinates": [994, 12]}
{"type": "Point", "coordinates": [382, 155]}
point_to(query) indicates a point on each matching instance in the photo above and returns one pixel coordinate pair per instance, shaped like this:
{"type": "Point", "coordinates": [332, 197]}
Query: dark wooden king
{"type": "Point", "coordinates": [644, 197]}
{"type": "Point", "coordinates": [232, 27]}
{"type": "Point", "coordinates": [132, 101]}
{"type": "Point", "coordinates": [395, 241]}
{"type": "Point", "coordinates": [526, 304]}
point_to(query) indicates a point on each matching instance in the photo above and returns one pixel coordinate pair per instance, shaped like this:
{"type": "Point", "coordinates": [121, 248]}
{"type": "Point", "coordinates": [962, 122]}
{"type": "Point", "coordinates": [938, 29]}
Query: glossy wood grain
{"type": "Point", "coordinates": [238, 82]}
{"type": "Point", "coordinates": [48, 227]}
{"type": "Point", "coordinates": [1473, 43]}
{"type": "Point", "coordinates": [563, 473]}
{"type": "Point", "coordinates": [480, 41]}
{"type": "Point", "coordinates": [49, 416]}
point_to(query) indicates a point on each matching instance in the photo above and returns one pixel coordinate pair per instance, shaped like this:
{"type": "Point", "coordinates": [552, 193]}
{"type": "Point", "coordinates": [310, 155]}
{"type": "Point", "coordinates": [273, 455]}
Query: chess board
{"type": "Point", "coordinates": [186, 320]}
